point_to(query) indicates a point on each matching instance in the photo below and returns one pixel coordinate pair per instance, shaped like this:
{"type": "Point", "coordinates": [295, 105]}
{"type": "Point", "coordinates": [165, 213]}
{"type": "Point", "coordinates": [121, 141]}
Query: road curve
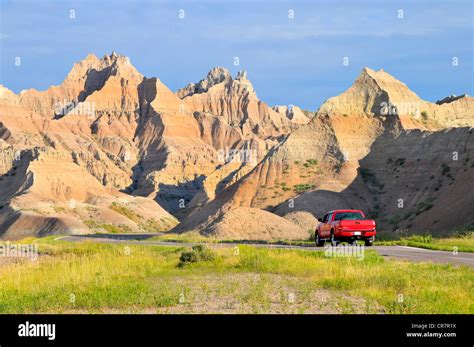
{"type": "Point", "coordinates": [396, 252]}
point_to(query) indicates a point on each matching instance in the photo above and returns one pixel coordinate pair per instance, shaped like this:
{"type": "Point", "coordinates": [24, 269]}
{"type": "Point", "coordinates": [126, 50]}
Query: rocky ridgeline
{"type": "Point", "coordinates": [111, 150]}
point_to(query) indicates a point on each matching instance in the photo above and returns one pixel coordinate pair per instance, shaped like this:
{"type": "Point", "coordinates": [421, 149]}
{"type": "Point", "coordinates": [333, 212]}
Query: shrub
{"type": "Point", "coordinates": [300, 188]}
{"type": "Point", "coordinates": [421, 238]}
{"type": "Point", "coordinates": [400, 161]}
{"type": "Point", "coordinates": [445, 169]}
{"type": "Point", "coordinates": [198, 253]}
{"type": "Point", "coordinates": [367, 174]}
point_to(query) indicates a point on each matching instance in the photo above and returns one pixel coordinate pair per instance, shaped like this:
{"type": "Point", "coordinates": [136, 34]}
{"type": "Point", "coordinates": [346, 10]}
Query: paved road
{"type": "Point", "coordinates": [398, 252]}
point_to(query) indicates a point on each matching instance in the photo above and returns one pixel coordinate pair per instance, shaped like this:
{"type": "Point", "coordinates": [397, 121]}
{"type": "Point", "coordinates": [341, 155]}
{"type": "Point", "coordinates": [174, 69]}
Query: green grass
{"type": "Point", "coordinates": [195, 237]}
{"type": "Point", "coordinates": [114, 278]}
{"type": "Point", "coordinates": [300, 188]}
{"type": "Point", "coordinates": [59, 209]}
{"type": "Point", "coordinates": [461, 243]}
{"type": "Point", "coordinates": [109, 228]}
{"type": "Point", "coordinates": [152, 225]}
{"type": "Point", "coordinates": [126, 211]}
{"type": "Point", "coordinates": [189, 237]}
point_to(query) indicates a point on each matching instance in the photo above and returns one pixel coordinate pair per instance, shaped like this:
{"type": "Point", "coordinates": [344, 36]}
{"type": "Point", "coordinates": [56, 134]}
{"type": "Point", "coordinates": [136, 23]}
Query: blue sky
{"type": "Point", "coordinates": [289, 61]}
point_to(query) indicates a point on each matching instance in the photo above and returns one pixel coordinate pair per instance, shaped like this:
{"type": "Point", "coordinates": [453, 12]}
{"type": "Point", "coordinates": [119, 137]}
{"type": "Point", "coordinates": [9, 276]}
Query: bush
{"type": "Point", "coordinates": [300, 188]}
{"type": "Point", "coordinates": [465, 230]}
{"type": "Point", "coordinates": [400, 161]}
{"type": "Point", "coordinates": [197, 254]}
{"type": "Point", "coordinates": [445, 169]}
{"type": "Point", "coordinates": [367, 175]}
{"type": "Point", "coordinates": [421, 238]}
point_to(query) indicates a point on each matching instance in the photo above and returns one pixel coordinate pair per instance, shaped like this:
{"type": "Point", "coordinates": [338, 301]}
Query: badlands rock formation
{"type": "Point", "coordinates": [104, 149]}
{"type": "Point", "coordinates": [68, 151]}
{"type": "Point", "coordinates": [327, 164]}
{"type": "Point", "coordinates": [110, 150]}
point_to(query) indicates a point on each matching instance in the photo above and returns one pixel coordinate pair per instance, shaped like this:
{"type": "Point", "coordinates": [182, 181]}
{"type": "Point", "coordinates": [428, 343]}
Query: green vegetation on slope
{"type": "Point", "coordinates": [126, 211]}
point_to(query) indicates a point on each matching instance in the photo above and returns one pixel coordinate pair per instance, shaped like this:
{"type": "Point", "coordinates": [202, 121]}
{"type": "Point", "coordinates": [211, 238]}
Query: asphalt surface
{"type": "Point", "coordinates": [395, 252]}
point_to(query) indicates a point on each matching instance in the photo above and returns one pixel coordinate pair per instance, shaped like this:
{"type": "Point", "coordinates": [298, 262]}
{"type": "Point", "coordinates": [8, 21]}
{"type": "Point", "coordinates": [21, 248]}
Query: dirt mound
{"type": "Point", "coordinates": [304, 220]}
{"type": "Point", "coordinates": [244, 223]}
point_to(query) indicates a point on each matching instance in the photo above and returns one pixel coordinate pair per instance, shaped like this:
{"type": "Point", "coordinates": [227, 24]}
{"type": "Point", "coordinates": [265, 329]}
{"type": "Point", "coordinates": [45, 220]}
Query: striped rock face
{"type": "Point", "coordinates": [110, 150]}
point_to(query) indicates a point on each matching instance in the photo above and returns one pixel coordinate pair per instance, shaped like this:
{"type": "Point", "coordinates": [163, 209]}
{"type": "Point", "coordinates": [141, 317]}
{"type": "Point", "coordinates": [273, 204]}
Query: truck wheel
{"type": "Point", "coordinates": [319, 241]}
{"type": "Point", "coordinates": [334, 242]}
{"type": "Point", "coordinates": [369, 242]}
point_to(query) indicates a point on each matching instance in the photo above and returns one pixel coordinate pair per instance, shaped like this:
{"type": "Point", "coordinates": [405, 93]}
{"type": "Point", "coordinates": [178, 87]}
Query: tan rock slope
{"type": "Point", "coordinates": [110, 150]}
{"type": "Point", "coordinates": [69, 150]}
{"type": "Point", "coordinates": [327, 164]}
{"type": "Point", "coordinates": [107, 129]}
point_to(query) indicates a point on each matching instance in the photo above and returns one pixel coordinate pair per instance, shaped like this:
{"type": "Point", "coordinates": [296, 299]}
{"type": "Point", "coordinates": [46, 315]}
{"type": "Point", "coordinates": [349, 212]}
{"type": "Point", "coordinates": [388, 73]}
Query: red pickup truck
{"type": "Point", "coordinates": [345, 225]}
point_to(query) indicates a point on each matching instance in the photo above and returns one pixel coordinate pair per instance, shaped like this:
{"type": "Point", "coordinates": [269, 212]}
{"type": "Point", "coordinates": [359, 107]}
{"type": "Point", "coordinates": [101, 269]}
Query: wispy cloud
{"type": "Point", "coordinates": [273, 47]}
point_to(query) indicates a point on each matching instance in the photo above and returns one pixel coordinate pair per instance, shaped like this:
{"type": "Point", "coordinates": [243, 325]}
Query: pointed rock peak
{"type": "Point", "coordinates": [242, 79]}
{"type": "Point", "coordinates": [378, 76]}
{"type": "Point", "coordinates": [4, 89]}
{"type": "Point", "coordinates": [113, 64]}
{"type": "Point", "coordinates": [293, 113]}
{"type": "Point", "coordinates": [241, 75]}
{"type": "Point", "coordinates": [283, 109]}
{"type": "Point", "coordinates": [381, 80]}
{"type": "Point", "coordinates": [115, 58]}
{"type": "Point", "coordinates": [217, 75]}
{"type": "Point", "coordinates": [87, 62]}
{"type": "Point", "coordinates": [368, 72]}
{"type": "Point", "coordinates": [6, 93]}
{"type": "Point", "coordinates": [373, 93]}
{"type": "Point", "coordinates": [91, 57]}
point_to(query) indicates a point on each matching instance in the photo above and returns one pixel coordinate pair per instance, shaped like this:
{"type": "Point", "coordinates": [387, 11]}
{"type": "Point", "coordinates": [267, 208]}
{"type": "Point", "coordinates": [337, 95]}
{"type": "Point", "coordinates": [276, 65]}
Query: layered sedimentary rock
{"type": "Point", "coordinates": [328, 163]}
{"type": "Point", "coordinates": [110, 150]}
